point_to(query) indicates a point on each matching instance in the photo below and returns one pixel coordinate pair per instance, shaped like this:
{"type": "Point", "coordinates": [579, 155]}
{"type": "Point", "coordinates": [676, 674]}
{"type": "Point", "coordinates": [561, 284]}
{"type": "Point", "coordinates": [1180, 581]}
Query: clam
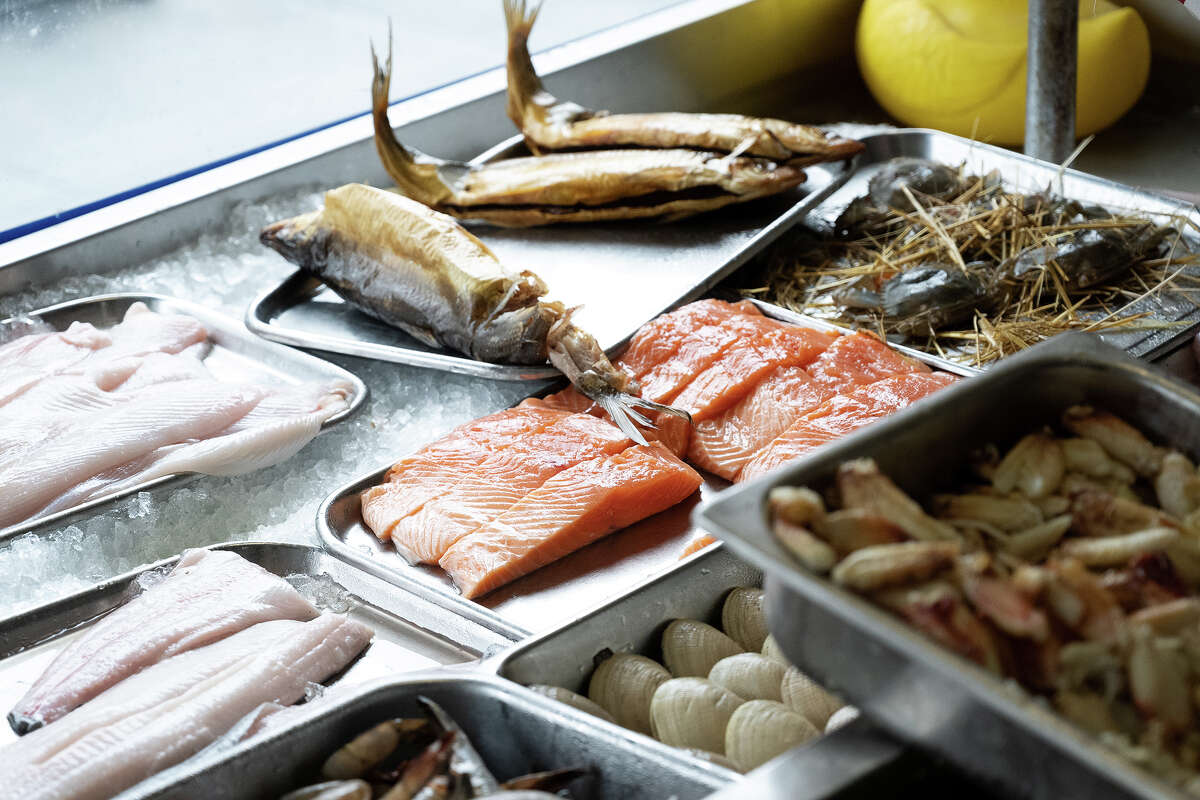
{"type": "Point", "coordinates": [693, 712]}
{"type": "Point", "coordinates": [750, 676]}
{"type": "Point", "coordinates": [691, 648]}
{"type": "Point", "coordinates": [572, 699]}
{"type": "Point", "coordinates": [743, 618]}
{"type": "Point", "coordinates": [759, 730]}
{"type": "Point", "coordinates": [771, 650]}
{"type": "Point", "coordinates": [805, 696]}
{"type": "Point", "coordinates": [624, 684]}
{"type": "Point", "coordinates": [712, 758]}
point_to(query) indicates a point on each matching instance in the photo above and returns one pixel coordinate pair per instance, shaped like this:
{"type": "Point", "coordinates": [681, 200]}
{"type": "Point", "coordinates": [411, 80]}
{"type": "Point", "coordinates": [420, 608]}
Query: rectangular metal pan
{"type": "Point", "coordinates": [409, 634]}
{"type": "Point", "coordinates": [905, 682]}
{"type": "Point", "coordinates": [235, 356]}
{"type": "Point", "coordinates": [1026, 174]}
{"type": "Point", "coordinates": [855, 756]}
{"type": "Point", "coordinates": [555, 593]}
{"type": "Point", "coordinates": [619, 275]}
{"type": "Point", "coordinates": [515, 731]}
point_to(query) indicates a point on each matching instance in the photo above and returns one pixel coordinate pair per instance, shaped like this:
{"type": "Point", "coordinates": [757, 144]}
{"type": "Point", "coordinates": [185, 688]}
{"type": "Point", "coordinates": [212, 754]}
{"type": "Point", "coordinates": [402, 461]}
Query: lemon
{"type": "Point", "coordinates": [959, 65]}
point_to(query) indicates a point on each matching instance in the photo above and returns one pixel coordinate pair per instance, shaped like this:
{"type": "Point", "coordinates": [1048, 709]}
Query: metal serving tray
{"type": "Point", "coordinates": [1026, 174]}
{"type": "Point", "coordinates": [409, 634]}
{"type": "Point", "coordinates": [851, 757]}
{"type": "Point", "coordinates": [515, 731]}
{"type": "Point", "coordinates": [557, 592]}
{"type": "Point", "coordinates": [619, 275]}
{"type": "Point", "coordinates": [907, 683]}
{"type": "Point", "coordinates": [235, 356]}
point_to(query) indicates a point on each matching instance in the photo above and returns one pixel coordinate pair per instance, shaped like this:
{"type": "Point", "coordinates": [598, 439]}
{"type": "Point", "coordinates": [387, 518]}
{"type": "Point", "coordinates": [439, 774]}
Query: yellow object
{"type": "Point", "coordinates": [959, 65]}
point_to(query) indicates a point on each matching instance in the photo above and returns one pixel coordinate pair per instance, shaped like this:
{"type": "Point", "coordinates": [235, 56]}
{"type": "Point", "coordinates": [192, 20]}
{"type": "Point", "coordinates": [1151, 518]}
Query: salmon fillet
{"type": "Point", "coordinates": [660, 338]}
{"type": "Point", "coordinates": [843, 414]}
{"type": "Point", "coordinates": [860, 358]}
{"type": "Point", "coordinates": [761, 346]}
{"type": "Point", "coordinates": [574, 508]}
{"type": "Point", "coordinates": [723, 444]}
{"type": "Point", "coordinates": [462, 482]}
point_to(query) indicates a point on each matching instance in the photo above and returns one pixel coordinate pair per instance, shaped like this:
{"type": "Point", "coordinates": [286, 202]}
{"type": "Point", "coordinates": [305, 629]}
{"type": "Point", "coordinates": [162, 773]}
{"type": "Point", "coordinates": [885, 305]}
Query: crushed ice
{"type": "Point", "coordinates": [222, 270]}
{"type": "Point", "coordinates": [322, 591]}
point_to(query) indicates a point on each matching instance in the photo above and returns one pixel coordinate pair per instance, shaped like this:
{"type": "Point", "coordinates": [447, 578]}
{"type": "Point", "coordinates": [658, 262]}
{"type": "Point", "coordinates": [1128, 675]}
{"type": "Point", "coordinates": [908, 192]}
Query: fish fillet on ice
{"type": "Point", "coordinates": [151, 418]}
{"type": "Point", "coordinates": [209, 595]}
{"type": "Point", "coordinates": [86, 413]}
{"type": "Point", "coordinates": [173, 709]}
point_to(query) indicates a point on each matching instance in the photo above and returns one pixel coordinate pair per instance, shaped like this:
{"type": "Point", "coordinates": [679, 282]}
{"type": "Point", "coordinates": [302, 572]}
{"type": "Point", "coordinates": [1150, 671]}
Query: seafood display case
{"type": "Point", "coordinates": [909, 684]}
{"type": "Point", "coordinates": [618, 593]}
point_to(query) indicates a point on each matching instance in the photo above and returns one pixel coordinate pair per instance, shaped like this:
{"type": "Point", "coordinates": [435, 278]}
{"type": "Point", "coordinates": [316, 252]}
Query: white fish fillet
{"type": "Point", "coordinates": [148, 419]}
{"type": "Point", "coordinates": [209, 595]}
{"type": "Point", "coordinates": [86, 413]}
{"type": "Point", "coordinates": [172, 710]}
{"type": "Point", "coordinates": [276, 429]}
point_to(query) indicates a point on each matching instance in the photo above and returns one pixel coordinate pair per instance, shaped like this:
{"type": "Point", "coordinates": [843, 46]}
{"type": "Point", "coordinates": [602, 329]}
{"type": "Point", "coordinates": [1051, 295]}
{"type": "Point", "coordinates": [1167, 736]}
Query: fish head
{"type": "Point", "coordinates": [298, 239]}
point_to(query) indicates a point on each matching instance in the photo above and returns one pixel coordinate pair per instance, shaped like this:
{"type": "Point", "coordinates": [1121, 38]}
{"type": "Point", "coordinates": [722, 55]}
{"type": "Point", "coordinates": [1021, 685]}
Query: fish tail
{"type": "Point", "coordinates": [418, 181]}
{"type": "Point", "coordinates": [523, 82]}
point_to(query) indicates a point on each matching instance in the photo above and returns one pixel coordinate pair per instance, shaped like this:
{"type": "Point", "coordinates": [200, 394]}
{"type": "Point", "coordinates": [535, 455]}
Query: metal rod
{"type": "Point", "coordinates": [1050, 90]}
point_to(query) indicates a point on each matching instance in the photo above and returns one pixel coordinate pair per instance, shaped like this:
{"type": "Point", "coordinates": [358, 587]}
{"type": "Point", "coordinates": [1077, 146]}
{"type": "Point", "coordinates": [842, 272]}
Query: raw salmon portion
{"type": "Point", "coordinates": [723, 444]}
{"type": "Point", "coordinates": [860, 358]}
{"type": "Point", "coordinates": [572, 509]}
{"type": "Point", "coordinates": [475, 473]}
{"type": "Point", "coordinates": [668, 429]}
{"type": "Point", "coordinates": [842, 414]}
{"type": "Point", "coordinates": [762, 345]}
{"type": "Point", "coordinates": [700, 349]}
{"type": "Point", "coordinates": [660, 338]}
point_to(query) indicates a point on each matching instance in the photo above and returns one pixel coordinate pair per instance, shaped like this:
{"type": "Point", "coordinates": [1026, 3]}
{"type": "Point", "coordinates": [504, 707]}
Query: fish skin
{"type": "Point", "coordinates": [571, 510]}
{"type": "Point", "coordinates": [418, 270]}
{"type": "Point", "coordinates": [208, 595]}
{"type": "Point", "coordinates": [843, 414]}
{"type": "Point", "coordinates": [588, 186]}
{"type": "Point", "coordinates": [126, 739]}
{"type": "Point", "coordinates": [551, 124]}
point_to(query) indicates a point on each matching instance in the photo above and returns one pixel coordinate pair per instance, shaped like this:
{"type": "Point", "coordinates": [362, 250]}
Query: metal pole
{"type": "Point", "coordinates": [1050, 89]}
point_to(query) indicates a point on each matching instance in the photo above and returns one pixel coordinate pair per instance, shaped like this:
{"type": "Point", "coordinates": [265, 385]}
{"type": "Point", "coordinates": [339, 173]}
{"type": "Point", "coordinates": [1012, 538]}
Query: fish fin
{"type": "Point", "coordinates": [617, 412]}
{"type": "Point", "coordinates": [419, 180]}
{"type": "Point", "coordinates": [524, 85]}
{"type": "Point", "coordinates": [641, 402]}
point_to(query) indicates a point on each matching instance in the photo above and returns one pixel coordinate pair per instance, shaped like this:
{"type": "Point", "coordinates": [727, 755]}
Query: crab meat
{"type": "Point", "coordinates": [854, 528]}
{"type": "Point", "coordinates": [938, 610]}
{"type": "Point", "coordinates": [810, 551]}
{"type": "Point", "coordinates": [1158, 679]}
{"type": "Point", "coordinates": [999, 600]}
{"type": "Point", "coordinates": [863, 486]}
{"type": "Point", "coordinates": [1079, 600]}
{"type": "Point", "coordinates": [885, 565]}
{"type": "Point", "coordinates": [1101, 514]}
{"type": "Point", "coordinates": [798, 505]}
{"type": "Point", "coordinates": [1118, 438]}
{"type": "Point", "coordinates": [1012, 513]}
{"type": "Point", "coordinates": [1177, 485]}
{"type": "Point", "coordinates": [1087, 457]}
{"type": "Point", "coordinates": [1034, 467]}
{"type": "Point", "coordinates": [1107, 551]}
{"type": "Point", "coordinates": [1033, 544]}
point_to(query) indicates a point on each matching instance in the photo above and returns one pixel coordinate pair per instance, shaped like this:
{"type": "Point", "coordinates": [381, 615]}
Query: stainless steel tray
{"type": "Point", "coordinates": [850, 757]}
{"type": "Point", "coordinates": [409, 634]}
{"type": "Point", "coordinates": [619, 274]}
{"type": "Point", "coordinates": [514, 730]}
{"type": "Point", "coordinates": [235, 356]}
{"type": "Point", "coordinates": [555, 593]}
{"type": "Point", "coordinates": [1022, 173]}
{"type": "Point", "coordinates": [910, 685]}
